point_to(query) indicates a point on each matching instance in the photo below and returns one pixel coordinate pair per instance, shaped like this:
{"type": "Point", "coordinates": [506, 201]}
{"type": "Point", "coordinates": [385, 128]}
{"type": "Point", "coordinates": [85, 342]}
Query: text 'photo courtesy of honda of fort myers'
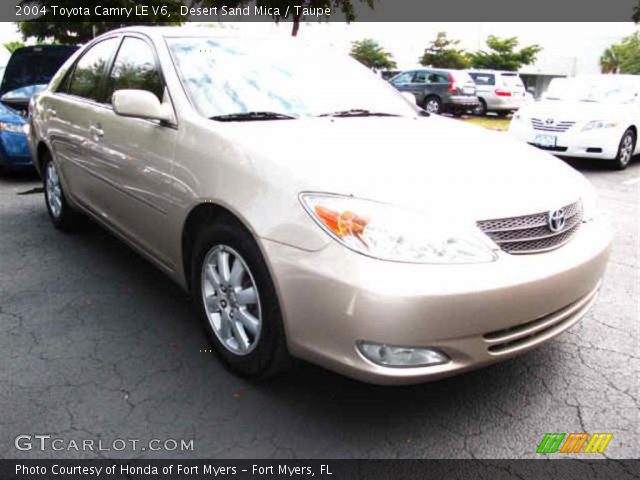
{"type": "Point", "coordinates": [318, 216]}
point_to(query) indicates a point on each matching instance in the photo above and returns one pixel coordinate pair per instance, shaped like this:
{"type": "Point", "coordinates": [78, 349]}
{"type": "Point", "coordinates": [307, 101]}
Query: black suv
{"type": "Point", "coordinates": [439, 90]}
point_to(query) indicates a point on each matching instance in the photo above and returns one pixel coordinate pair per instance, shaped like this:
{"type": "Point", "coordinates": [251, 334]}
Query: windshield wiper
{"type": "Point", "coordinates": [357, 112]}
{"type": "Point", "coordinates": [252, 116]}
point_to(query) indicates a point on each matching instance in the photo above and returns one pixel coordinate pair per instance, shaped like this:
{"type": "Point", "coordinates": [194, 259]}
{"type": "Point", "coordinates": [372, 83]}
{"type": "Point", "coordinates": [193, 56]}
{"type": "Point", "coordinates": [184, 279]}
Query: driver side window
{"type": "Point", "coordinates": [135, 68]}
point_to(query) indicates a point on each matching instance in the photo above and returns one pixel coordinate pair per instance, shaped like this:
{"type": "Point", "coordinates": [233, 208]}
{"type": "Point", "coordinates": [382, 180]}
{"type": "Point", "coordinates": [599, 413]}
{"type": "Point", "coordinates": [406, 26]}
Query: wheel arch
{"type": "Point", "coordinates": [41, 150]}
{"type": "Point", "coordinates": [200, 215]}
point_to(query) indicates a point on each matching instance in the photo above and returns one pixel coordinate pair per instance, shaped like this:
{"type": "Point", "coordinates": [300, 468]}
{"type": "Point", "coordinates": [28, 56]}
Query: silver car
{"type": "Point", "coordinates": [499, 92]}
{"type": "Point", "coordinates": [317, 216]}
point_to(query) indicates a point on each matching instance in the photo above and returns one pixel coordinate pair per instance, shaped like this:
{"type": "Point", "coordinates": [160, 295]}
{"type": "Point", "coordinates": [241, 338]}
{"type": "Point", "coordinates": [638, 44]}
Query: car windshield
{"type": "Point", "coordinates": [595, 91]}
{"type": "Point", "coordinates": [226, 77]}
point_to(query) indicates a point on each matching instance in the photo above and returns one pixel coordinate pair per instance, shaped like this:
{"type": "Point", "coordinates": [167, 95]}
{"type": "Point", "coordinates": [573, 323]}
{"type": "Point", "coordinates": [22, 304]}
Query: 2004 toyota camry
{"type": "Point", "coordinates": [316, 215]}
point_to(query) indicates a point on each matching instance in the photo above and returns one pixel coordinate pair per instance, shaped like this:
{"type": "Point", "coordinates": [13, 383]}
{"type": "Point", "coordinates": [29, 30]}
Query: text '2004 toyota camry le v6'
{"type": "Point", "coordinates": [317, 216]}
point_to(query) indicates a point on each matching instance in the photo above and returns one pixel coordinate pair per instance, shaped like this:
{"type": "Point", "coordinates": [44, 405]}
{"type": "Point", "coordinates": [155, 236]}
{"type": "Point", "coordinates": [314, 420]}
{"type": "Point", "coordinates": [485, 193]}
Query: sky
{"type": "Point", "coordinates": [566, 45]}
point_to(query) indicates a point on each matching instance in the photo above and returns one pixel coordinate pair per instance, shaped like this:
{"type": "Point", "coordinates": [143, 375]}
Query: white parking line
{"type": "Point", "coordinates": [631, 181]}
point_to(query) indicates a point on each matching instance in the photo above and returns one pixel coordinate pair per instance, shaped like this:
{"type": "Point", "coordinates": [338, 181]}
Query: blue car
{"type": "Point", "coordinates": [29, 71]}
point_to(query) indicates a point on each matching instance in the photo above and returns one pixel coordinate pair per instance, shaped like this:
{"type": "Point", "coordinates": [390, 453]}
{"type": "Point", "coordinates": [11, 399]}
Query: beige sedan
{"type": "Point", "coordinates": [311, 210]}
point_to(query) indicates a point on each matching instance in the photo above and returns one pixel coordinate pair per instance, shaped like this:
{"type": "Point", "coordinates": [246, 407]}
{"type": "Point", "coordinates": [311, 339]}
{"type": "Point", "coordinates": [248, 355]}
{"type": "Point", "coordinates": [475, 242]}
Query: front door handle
{"type": "Point", "coordinates": [52, 113]}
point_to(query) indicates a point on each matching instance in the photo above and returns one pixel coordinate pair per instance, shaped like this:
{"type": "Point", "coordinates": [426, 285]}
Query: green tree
{"type": "Point", "coordinates": [14, 45]}
{"type": "Point", "coordinates": [622, 57]}
{"type": "Point", "coordinates": [83, 31]}
{"type": "Point", "coordinates": [370, 53]}
{"type": "Point", "coordinates": [442, 53]}
{"type": "Point", "coordinates": [504, 55]}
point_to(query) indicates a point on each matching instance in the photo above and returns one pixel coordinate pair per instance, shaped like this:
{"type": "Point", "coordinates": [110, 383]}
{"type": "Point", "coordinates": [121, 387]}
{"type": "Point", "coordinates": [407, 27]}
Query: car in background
{"type": "Point", "coordinates": [439, 90]}
{"type": "Point", "coordinates": [589, 116]}
{"type": "Point", "coordinates": [28, 71]}
{"type": "Point", "coordinates": [499, 92]}
{"type": "Point", "coordinates": [389, 74]}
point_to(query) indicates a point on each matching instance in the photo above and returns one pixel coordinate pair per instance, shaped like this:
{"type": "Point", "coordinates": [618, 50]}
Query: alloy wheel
{"type": "Point", "coordinates": [54, 190]}
{"type": "Point", "coordinates": [626, 149]}
{"type": "Point", "coordinates": [433, 106]}
{"type": "Point", "coordinates": [231, 300]}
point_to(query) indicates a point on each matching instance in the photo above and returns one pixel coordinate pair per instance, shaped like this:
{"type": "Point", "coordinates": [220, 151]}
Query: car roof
{"type": "Point", "coordinates": [178, 31]}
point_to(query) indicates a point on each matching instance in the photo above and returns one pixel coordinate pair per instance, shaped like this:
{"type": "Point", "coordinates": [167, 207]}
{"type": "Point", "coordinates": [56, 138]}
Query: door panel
{"type": "Point", "coordinates": [69, 114]}
{"type": "Point", "coordinates": [134, 157]}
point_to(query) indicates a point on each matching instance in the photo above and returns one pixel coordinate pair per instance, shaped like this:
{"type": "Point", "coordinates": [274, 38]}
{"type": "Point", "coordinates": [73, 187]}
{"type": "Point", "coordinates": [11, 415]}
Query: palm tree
{"type": "Point", "coordinates": [611, 60]}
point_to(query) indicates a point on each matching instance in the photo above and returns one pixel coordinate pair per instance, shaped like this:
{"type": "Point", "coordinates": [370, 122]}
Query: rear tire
{"type": "Point", "coordinates": [625, 150]}
{"type": "Point", "coordinates": [246, 331]}
{"type": "Point", "coordinates": [62, 215]}
{"type": "Point", "coordinates": [481, 109]}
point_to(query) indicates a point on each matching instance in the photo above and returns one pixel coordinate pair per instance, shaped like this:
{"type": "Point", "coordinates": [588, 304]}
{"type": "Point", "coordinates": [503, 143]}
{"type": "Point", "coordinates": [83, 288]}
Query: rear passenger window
{"type": "Point", "coordinates": [420, 77]}
{"type": "Point", "coordinates": [135, 68]}
{"type": "Point", "coordinates": [85, 81]}
{"type": "Point", "coordinates": [438, 78]}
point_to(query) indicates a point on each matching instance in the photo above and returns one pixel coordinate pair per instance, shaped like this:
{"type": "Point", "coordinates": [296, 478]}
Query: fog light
{"type": "Point", "coordinates": [393, 356]}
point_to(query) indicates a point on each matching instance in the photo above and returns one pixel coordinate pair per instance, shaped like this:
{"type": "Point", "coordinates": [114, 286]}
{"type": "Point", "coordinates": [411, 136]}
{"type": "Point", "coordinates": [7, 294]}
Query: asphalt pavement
{"type": "Point", "coordinates": [96, 344]}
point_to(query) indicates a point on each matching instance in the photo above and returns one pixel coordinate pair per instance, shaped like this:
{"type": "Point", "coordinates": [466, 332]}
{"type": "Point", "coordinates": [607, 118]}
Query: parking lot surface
{"type": "Point", "coordinates": [97, 344]}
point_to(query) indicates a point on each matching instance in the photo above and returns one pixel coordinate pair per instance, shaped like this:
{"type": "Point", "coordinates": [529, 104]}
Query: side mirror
{"type": "Point", "coordinates": [140, 104]}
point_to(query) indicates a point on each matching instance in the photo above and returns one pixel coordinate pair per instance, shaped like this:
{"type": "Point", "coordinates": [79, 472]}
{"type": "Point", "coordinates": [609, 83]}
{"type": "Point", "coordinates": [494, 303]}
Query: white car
{"type": "Point", "coordinates": [500, 92]}
{"type": "Point", "coordinates": [591, 116]}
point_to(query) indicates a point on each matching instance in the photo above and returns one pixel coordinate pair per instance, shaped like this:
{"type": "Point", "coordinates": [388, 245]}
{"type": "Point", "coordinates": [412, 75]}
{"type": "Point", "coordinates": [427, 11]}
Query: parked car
{"type": "Point", "coordinates": [499, 92]}
{"type": "Point", "coordinates": [275, 192]}
{"type": "Point", "coordinates": [28, 71]}
{"type": "Point", "coordinates": [389, 74]}
{"type": "Point", "coordinates": [590, 116]}
{"type": "Point", "coordinates": [439, 90]}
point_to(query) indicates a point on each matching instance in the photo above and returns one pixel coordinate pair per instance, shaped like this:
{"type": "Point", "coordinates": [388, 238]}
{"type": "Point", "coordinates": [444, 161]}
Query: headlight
{"type": "Point", "coordinates": [12, 127]}
{"type": "Point", "coordinates": [390, 233]}
{"type": "Point", "coordinates": [596, 124]}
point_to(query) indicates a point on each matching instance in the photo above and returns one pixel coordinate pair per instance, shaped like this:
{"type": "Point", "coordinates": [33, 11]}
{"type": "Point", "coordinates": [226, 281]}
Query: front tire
{"type": "Point", "coordinates": [62, 215]}
{"type": "Point", "coordinates": [433, 105]}
{"type": "Point", "coordinates": [625, 150]}
{"type": "Point", "coordinates": [237, 302]}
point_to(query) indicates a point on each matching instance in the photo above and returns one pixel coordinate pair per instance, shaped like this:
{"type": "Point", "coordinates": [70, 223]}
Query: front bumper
{"type": "Point", "coordinates": [598, 143]}
{"type": "Point", "coordinates": [333, 298]}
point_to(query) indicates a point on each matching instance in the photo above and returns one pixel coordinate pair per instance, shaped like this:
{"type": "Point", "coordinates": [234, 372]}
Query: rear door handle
{"type": "Point", "coordinates": [52, 113]}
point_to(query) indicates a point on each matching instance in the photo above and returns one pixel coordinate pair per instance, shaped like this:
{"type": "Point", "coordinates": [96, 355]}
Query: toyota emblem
{"type": "Point", "coordinates": [557, 220]}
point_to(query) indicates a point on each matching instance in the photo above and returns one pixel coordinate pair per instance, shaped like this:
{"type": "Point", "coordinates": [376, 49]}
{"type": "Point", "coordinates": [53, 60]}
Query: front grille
{"type": "Point", "coordinates": [532, 233]}
{"type": "Point", "coordinates": [539, 124]}
{"type": "Point", "coordinates": [527, 334]}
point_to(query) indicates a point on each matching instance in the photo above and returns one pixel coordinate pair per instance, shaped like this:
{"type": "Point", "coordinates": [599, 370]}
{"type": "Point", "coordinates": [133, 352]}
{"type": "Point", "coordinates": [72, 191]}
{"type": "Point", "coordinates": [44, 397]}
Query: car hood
{"type": "Point", "coordinates": [9, 115]}
{"type": "Point", "coordinates": [561, 110]}
{"type": "Point", "coordinates": [34, 65]}
{"type": "Point", "coordinates": [430, 164]}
